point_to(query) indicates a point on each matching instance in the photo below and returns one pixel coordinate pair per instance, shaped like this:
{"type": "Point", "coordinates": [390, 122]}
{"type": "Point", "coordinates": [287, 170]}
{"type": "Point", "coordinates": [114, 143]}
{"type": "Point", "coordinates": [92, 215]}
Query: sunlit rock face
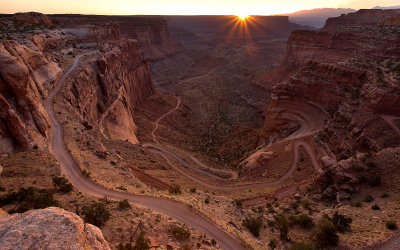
{"type": "Point", "coordinates": [50, 228]}
{"type": "Point", "coordinates": [107, 89]}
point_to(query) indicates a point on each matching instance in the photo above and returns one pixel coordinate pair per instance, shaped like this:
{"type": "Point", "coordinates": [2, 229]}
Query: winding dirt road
{"type": "Point", "coordinates": [175, 209]}
{"type": "Point", "coordinates": [307, 126]}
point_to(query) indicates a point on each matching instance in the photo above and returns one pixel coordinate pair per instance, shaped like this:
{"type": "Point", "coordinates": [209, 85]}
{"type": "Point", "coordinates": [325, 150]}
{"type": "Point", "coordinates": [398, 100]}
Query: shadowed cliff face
{"type": "Point", "coordinates": [23, 71]}
{"type": "Point", "coordinates": [349, 67]}
{"type": "Point", "coordinates": [108, 88]}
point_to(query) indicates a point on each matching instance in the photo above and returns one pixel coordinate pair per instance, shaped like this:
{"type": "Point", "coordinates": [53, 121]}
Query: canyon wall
{"type": "Point", "coordinates": [151, 32]}
{"type": "Point", "coordinates": [350, 68]}
{"type": "Point", "coordinates": [23, 73]}
{"type": "Point", "coordinates": [107, 89]}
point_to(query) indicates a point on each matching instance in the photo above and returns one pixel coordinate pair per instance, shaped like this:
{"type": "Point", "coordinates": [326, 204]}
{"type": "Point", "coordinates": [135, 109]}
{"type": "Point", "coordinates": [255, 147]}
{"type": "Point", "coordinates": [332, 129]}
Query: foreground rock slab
{"type": "Point", "coordinates": [50, 228]}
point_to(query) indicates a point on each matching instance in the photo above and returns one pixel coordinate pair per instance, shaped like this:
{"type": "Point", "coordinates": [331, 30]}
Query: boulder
{"type": "Point", "coordinates": [50, 228]}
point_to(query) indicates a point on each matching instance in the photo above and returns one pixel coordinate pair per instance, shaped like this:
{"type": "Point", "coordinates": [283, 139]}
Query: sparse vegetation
{"type": "Point", "coordinates": [391, 225]}
{"type": "Point", "coordinates": [375, 207]}
{"type": "Point", "coordinates": [302, 220]}
{"type": "Point", "coordinates": [207, 200]}
{"type": "Point", "coordinates": [356, 204]}
{"type": "Point", "coordinates": [301, 246]}
{"type": "Point", "coordinates": [384, 195]}
{"type": "Point", "coordinates": [253, 225]}
{"type": "Point", "coordinates": [62, 184]}
{"type": "Point", "coordinates": [29, 198]}
{"type": "Point", "coordinates": [180, 232]}
{"type": "Point", "coordinates": [368, 198]}
{"type": "Point", "coordinates": [374, 181]}
{"type": "Point", "coordinates": [357, 167]}
{"type": "Point", "coordinates": [325, 234]}
{"type": "Point", "coordinates": [175, 189]}
{"type": "Point", "coordinates": [96, 214]}
{"type": "Point", "coordinates": [85, 172]}
{"type": "Point", "coordinates": [273, 244]}
{"type": "Point", "coordinates": [124, 204]}
{"type": "Point", "coordinates": [142, 243]}
{"type": "Point", "coordinates": [193, 190]}
{"type": "Point", "coordinates": [340, 221]}
{"type": "Point", "coordinates": [283, 226]}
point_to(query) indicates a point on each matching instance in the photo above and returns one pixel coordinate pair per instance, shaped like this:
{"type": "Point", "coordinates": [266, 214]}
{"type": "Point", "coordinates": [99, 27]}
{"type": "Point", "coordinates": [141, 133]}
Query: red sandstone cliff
{"type": "Point", "coordinates": [350, 68]}
{"type": "Point", "coordinates": [108, 88]}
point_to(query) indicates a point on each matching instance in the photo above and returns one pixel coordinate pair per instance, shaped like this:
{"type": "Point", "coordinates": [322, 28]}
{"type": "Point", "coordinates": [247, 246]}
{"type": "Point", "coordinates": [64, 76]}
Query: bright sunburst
{"type": "Point", "coordinates": [243, 17]}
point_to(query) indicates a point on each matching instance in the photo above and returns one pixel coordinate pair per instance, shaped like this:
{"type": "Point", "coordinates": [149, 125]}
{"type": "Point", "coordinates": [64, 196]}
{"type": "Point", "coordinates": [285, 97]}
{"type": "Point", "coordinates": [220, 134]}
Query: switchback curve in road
{"type": "Point", "coordinates": [175, 209]}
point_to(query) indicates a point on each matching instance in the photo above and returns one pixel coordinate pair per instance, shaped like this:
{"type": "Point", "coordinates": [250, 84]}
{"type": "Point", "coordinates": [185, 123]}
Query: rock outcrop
{"type": "Point", "coordinates": [350, 69]}
{"type": "Point", "coordinates": [23, 72]}
{"type": "Point", "coordinates": [109, 87]}
{"type": "Point", "coordinates": [50, 228]}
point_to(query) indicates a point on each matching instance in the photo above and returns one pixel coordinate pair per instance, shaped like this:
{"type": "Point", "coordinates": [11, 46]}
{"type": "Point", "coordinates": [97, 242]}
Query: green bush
{"type": "Point", "coordinates": [302, 220]}
{"type": "Point", "coordinates": [301, 246]}
{"type": "Point", "coordinates": [273, 244]}
{"type": "Point", "coordinates": [357, 168]}
{"type": "Point", "coordinates": [238, 203]}
{"type": "Point", "coordinates": [96, 214]}
{"type": "Point", "coordinates": [180, 233]}
{"type": "Point", "coordinates": [375, 207]}
{"type": "Point", "coordinates": [391, 225]}
{"type": "Point", "coordinates": [124, 204]}
{"type": "Point", "coordinates": [29, 198]}
{"type": "Point", "coordinates": [142, 243]}
{"type": "Point", "coordinates": [283, 226]}
{"type": "Point", "coordinates": [253, 225]}
{"type": "Point", "coordinates": [356, 204]}
{"type": "Point", "coordinates": [341, 222]}
{"type": "Point", "coordinates": [62, 184]}
{"type": "Point", "coordinates": [325, 234]}
{"type": "Point", "coordinates": [368, 198]}
{"type": "Point", "coordinates": [175, 189]}
{"type": "Point", "coordinates": [213, 242]}
{"type": "Point", "coordinates": [207, 200]}
{"type": "Point", "coordinates": [193, 190]}
{"type": "Point", "coordinates": [375, 181]}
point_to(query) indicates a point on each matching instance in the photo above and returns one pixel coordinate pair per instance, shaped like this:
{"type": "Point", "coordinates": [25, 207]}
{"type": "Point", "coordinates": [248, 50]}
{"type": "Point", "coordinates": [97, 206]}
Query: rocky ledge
{"type": "Point", "coordinates": [50, 228]}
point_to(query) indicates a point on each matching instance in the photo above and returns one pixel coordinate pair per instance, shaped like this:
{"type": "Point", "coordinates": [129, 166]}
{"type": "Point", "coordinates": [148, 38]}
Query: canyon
{"type": "Point", "coordinates": [201, 124]}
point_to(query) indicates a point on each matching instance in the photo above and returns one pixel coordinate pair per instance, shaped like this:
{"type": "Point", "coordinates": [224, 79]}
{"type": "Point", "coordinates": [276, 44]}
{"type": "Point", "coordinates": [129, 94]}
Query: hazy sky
{"type": "Point", "coordinates": [188, 7]}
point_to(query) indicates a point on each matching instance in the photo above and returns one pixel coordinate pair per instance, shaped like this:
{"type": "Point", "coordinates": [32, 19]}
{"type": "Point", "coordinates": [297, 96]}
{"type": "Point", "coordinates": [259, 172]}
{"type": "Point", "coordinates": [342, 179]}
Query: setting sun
{"type": "Point", "coordinates": [243, 16]}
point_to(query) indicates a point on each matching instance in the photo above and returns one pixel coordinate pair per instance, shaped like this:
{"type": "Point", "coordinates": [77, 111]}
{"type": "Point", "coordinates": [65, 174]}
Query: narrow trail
{"type": "Point", "coordinates": [177, 210]}
{"type": "Point", "coordinates": [390, 120]}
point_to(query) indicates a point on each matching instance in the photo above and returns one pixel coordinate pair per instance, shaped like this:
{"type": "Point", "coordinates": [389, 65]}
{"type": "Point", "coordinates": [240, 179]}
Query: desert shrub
{"type": "Point", "coordinates": [391, 225]}
{"type": "Point", "coordinates": [368, 198]}
{"type": "Point", "coordinates": [213, 242]}
{"type": "Point", "coordinates": [175, 189]}
{"type": "Point", "coordinates": [356, 204]}
{"type": "Point", "coordinates": [124, 204]}
{"type": "Point", "coordinates": [29, 198]}
{"type": "Point", "coordinates": [62, 184]}
{"type": "Point", "coordinates": [301, 246]}
{"type": "Point", "coordinates": [85, 172]}
{"type": "Point", "coordinates": [96, 214]}
{"type": "Point", "coordinates": [295, 204]}
{"type": "Point", "coordinates": [207, 200]}
{"type": "Point", "coordinates": [193, 190]}
{"type": "Point", "coordinates": [325, 234]}
{"type": "Point", "coordinates": [302, 220]}
{"type": "Point", "coordinates": [273, 244]}
{"type": "Point", "coordinates": [142, 243]}
{"type": "Point", "coordinates": [253, 225]}
{"type": "Point", "coordinates": [238, 203]}
{"type": "Point", "coordinates": [375, 207]}
{"type": "Point", "coordinates": [180, 233]}
{"type": "Point", "coordinates": [341, 222]}
{"type": "Point", "coordinates": [185, 247]}
{"type": "Point", "coordinates": [357, 167]}
{"type": "Point", "coordinates": [384, 195]}
{"type": "Point", "coordinates": [375, 181]}
{"type": "Point", "coordinates": [283, 226]}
